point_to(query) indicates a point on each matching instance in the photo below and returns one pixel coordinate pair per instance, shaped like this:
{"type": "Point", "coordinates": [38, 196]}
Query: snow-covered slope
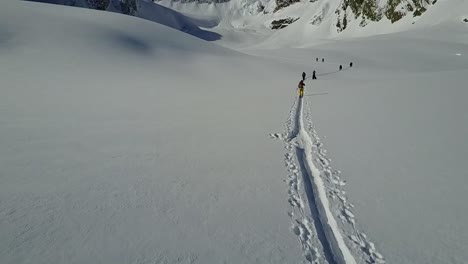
{"type": "Point", "coordinates": [145, 9]}
{"type": "Point", "coordinates": [309, 22]}
{"type": "Point", "coordinates": [125, 141]}
{"type": "Point", "coordinates": [290, 23]}
{"type": "Point", "coordinates": [396, 127]}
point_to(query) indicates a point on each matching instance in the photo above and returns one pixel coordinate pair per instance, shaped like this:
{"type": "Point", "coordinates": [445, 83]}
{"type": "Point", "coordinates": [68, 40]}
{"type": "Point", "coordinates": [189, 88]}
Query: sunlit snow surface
{"type": "Point", "coordinates": [124, 141]}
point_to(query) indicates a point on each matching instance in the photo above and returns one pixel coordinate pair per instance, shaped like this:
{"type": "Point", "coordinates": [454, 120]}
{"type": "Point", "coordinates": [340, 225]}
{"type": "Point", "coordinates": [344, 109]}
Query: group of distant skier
{"type": "Point", "coordinates": [301, 84]}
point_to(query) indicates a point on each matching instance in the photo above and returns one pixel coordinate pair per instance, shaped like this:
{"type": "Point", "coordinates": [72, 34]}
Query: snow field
{"type": "Point", "coordinates": [124, 141]}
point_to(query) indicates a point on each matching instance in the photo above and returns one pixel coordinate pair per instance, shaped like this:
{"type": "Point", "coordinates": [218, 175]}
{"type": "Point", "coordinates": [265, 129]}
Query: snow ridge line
{"type": "Point", "coordinates": [333, 240]}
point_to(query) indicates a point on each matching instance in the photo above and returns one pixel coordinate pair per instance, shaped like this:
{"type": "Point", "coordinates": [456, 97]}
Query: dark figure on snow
{"type": "Point", "coordinates": [313, 76]}
{"type": "Point", "coordinates": [300, 86]}
{"type": "Point", "coordinates": [351, 65]}
{"type": "Point", "coordinates": [323, 60]}
{"type": "Point", "coordinates": [341, 67]}
{"type": "Point", "coordinates": [303, 76]}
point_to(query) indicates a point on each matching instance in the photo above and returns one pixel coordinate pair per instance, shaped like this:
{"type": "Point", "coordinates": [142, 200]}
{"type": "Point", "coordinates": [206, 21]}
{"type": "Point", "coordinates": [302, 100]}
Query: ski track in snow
{"type": "Point", "coordinates": [302, 225]}
{"type": "Point", "coordinates": [322, 237]}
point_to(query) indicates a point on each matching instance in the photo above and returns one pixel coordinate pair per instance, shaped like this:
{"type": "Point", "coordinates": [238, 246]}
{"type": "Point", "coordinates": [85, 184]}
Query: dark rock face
{"type": "Point", "coordinates": [369, 10]}
{"type": "Point", "coordinates": [128, 7]}
{"type": "Point", "coordinates": [282, 23]}
{"type": "Point", "coordinates": [284, 3]}
{"type": "Point", "coordinates": [200, 1]}
{"type": "Point", "coordinates": [98, 4]}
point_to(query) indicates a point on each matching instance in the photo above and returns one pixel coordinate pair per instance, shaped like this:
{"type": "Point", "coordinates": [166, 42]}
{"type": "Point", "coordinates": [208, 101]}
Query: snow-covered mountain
{"type": "Point", "coordinates": [298, 21]}
{"type": "Point", "coordinates": [302, 23]}
{"type": "Point", "coordinates": [376, 10]}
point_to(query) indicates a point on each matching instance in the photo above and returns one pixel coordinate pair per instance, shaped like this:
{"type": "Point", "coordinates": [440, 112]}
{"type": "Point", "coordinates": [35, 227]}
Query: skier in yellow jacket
{"type": "Point", "coordinates": [300, 86]}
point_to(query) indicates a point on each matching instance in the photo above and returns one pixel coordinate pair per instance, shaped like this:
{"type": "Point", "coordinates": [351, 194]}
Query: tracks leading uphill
{"type": "Point", "coordinates": [315, 209]}
{"type": "Point", "coordinates": [334, 247]}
